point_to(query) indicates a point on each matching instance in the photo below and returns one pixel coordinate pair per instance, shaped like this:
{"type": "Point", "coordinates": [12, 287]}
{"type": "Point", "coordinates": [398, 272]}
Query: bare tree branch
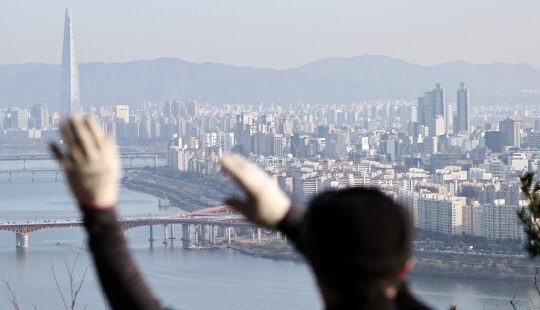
{"type": "Point", "coordinates": [78, 289]}
{"type": "Point", "coordinates": [59, 289]}
{"type": "Point", "coordinates": [74, 286]}
{"type": "Point", "coordinates": [536, 285]}
{"type": "Point", "coordinates": [513, 303]}
{"type": "Point", "coordinates": [12, 296]}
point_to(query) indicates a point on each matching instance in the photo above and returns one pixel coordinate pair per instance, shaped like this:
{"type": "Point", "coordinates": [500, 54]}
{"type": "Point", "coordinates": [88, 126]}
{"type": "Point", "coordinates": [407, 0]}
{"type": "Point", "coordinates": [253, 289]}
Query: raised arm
{"type": "Point", "coordinates": [265, 204]}
{"type": "Point", "coordinates": [92, 168]}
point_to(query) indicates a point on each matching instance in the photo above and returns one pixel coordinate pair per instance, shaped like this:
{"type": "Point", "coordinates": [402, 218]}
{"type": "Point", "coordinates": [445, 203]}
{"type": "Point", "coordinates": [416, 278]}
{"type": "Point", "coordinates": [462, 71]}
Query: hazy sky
{"type": "Point", "coordinates": [274, 34]}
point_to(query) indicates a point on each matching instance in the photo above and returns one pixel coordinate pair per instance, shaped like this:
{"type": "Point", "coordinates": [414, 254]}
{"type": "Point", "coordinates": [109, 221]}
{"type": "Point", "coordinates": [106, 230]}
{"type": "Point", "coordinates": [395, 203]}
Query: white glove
{"type": "Point", "coordinates": [92, 165]}
{"type": "Point", "coordinates": [267, 204]}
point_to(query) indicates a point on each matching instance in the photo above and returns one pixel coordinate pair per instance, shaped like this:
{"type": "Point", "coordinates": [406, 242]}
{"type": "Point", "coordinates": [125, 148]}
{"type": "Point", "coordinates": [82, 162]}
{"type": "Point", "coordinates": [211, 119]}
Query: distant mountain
{"type": "Point", "coordinates": [336, 80]}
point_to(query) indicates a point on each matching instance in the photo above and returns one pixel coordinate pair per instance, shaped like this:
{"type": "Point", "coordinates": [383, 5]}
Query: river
{"type": "Point", "coordinates": [222, 279]}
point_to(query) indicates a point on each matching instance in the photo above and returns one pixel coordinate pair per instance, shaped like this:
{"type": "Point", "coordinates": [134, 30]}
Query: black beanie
{"type": "Point", "coordinates": [356, 236]}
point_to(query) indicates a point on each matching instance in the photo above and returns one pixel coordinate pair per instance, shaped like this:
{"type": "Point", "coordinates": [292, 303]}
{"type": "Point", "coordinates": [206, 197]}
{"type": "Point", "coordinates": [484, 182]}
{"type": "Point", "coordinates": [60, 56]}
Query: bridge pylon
{"type": "Point", "coordinates": [228, 234]}
{"type": "Point", "coordinates": [21, 240]}
{"type": "Point", "coordinates": [172, 237]}
{"type": "Point", "coordinates": [186, 236]}
{"type": "Point", "coordinates": [165, 241]}
{"type": "Point", "coordinates": [151, 239]}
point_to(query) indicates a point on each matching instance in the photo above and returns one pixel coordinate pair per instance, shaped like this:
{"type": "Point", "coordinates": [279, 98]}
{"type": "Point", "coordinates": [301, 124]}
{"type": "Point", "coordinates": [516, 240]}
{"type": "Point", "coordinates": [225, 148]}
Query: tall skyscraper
{"type": "Point", "coordinates": [438, 101]}
{"type": "Point", "coordinates": [510, 132]}
{"type": "Point", "coordinates": [432, 108]}
{"type": "Point", "coordinates": [19, 118]}
{"type": "Point", "coordinates": [537, 125]}
{"type": "Point", "coordinates": [39, 116]}
{"type": "Point", "coordinates": [278, 145]}
{"type": "Point", "coordinates": [70, 97]}
{"type": "Point", "coordinates": [462, 122]}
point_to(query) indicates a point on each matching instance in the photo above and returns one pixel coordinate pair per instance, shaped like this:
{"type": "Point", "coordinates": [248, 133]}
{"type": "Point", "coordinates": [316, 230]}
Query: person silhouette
{"type": "Point", "coordinates": [358, 241]}
{"type": "Point", "coordinates": [92, 168]}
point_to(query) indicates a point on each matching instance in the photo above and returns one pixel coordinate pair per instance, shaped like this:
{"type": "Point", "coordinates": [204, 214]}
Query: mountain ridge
{"type": "Point", "coordinates": [329, 80]}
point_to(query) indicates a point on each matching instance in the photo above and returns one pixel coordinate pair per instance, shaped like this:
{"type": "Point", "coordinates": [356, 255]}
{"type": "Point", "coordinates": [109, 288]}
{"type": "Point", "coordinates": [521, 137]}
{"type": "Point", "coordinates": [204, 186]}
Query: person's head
{"type": "Point", "coordinates": [359, 243]}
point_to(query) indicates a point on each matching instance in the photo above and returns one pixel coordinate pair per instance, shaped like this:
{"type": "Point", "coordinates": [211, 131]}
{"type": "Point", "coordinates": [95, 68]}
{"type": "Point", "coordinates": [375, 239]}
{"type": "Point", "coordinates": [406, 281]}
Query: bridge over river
{"type": "Point", "coordinates": [198, 229]}
{"type": "Point", "coordinates": [18, 163]}
{"type": "Point", "coordinates": [131, 156]}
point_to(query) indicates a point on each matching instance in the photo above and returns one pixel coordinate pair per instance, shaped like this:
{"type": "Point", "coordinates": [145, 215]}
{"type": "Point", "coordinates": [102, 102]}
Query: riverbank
{"type": "Point", "coordinates": [193, 191]}
{"type": "Point", "coordinates": [184, 190]}
{"type": "Point", "coordinates": [444, 266]}
{"type": "Point", "coordinates": [458, 270]}
{"type": "Point", "coordinates": [274, 249]}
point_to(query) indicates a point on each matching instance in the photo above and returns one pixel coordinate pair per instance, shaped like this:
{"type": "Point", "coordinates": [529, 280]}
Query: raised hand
{"type": "Point", "coordinates": [92, 164]}
{"type": "Point", "coordinates": [266, 203]}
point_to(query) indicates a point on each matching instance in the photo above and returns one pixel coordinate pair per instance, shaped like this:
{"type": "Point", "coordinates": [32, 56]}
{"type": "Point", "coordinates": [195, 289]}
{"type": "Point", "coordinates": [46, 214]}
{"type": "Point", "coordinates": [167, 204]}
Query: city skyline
{"type": "Point", "coordinates": [450, 141]}
{"type": "Point", "coordinates": [70, 89]}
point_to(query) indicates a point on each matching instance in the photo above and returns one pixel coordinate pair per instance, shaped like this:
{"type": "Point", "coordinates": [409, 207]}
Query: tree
{"type": "Point", "coordinates": [530, 216]}
{"type": "Point", "coordinates": [75, 286]}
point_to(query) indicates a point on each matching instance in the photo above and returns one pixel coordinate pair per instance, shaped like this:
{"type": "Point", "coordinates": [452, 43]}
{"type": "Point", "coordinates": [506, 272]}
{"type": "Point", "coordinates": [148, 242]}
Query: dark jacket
{"type": "Point", "coordinates": [126, 289]}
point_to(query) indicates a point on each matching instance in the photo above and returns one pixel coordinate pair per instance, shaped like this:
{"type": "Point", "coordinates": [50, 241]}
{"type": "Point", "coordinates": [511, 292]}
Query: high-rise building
{"type": "Point", "coordinates": [533, 140]}
{"type": "Point", "coordinates": [493, 141]}
{"type": "Point", "coordinates": [122, 112]}
{"type": "Point", "coordinates": [436, 212]}
{"type": "Point", "coordinates": [226, 141]}
{"type": "Point", "coordinates": [167, 109]}
{"type": "Point", "coordinates": [438, 101]}
{"type": "Point", "coordinates": [439, 126]}
{"type": "Point", "coordinates": [278, 145]}
{"type": "Point", "coordinates": [192, 109]}
{"type": "Point", "coordinates": [510, 132]}
{"type": "Point", "coordinates": [70, 96]}
{"type": "Point", "coordinates": [537, 125]}
{"type": "Point", "coordinates": [239, 126]}
{"type": "Point", "coordinates": [2, 113]}
{"type": "Point", "coordinates": [209, 140]}
{"type": "Point", "coordinates": [432, 107]}
{"type": "Point", "coordinates": [19, 118]}
{"type": "Point", "coordinates": [40, 116]}
{"type": "Point", "coordinates": [462, 122]}
{"type": "Point", "coordinates": [499, 220]}
{"type": "Point", "coordinates": [261, 143]}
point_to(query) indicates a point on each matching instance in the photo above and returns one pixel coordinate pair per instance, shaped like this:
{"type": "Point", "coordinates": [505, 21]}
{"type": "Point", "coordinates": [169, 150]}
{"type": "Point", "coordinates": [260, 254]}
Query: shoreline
{"type": "Point", "coordinates": [275, 256]}
{"type": "Point", "coordinates": [423, 268]}
{"type": "Point", "coordinates": [153, 192]}
{"type": "Point", "coordinates": [188, 192]}
{"type": "Point", "coordinates": [427, 264]}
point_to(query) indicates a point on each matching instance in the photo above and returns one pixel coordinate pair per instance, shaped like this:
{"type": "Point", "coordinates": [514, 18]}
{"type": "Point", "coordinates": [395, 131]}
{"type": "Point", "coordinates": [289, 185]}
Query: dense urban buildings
{"type": "Point", "coordinates": [454, 179]}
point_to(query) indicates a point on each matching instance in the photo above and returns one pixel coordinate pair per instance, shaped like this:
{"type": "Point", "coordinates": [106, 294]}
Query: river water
{"type": "Point", "coordinates": [222, 279]}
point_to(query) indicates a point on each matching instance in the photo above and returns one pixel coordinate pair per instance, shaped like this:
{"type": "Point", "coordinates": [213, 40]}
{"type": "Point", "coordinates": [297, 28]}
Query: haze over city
{"type": "Point", "coordinates": [275, 34]}
{"type": "Point", "coordinates": [421, 116]}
